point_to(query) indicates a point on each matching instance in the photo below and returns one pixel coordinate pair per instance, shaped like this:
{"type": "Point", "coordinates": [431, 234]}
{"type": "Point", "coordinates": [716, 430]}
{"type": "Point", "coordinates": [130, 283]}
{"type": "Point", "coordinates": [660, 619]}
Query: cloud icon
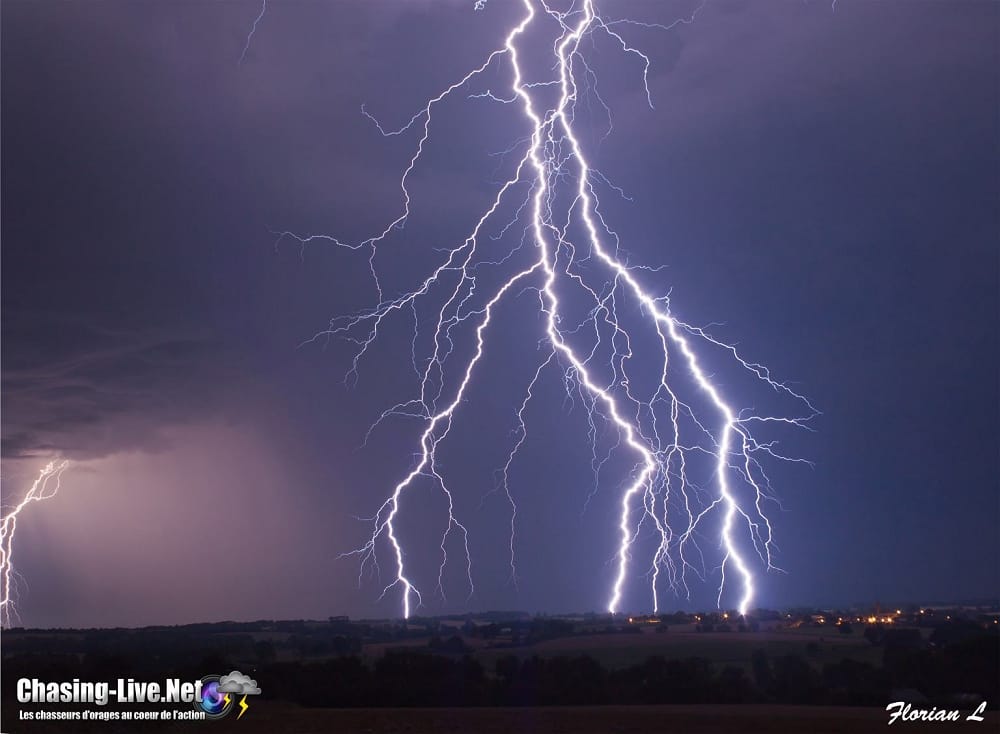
{"type": "Point", "coordinates": [239, 684]}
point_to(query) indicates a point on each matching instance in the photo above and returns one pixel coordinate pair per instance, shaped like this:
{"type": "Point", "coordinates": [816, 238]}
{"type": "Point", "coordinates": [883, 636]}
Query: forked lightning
{"type": "Point", "coordinates": [568, 252]}
{"type": "Point", "coordinates": [45, 487]}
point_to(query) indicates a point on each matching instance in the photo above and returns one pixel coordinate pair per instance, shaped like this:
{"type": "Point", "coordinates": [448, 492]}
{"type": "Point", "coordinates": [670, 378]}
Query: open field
{"type": "Point", "coordinates": [276, 718]}
{"type": "Point", "coordinates": [450, 693]}
{"type": "Point", "coordinates": [818, 645]}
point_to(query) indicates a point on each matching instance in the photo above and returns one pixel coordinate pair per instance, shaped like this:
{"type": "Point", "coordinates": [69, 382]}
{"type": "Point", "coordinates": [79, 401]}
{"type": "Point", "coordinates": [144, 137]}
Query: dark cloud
{"type": "Point", "coordinates": [116, 394]}
{"type": "Point", "coordinates": [108, 288]}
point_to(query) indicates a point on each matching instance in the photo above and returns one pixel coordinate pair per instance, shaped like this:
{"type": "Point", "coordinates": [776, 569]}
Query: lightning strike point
{"type": "Point", "coordinates": [567, 252]}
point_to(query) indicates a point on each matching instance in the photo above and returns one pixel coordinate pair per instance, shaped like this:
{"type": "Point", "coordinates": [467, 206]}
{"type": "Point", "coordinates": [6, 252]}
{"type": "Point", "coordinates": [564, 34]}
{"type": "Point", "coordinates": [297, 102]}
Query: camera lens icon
{"type": "Point", "coordinates": [214, 702]}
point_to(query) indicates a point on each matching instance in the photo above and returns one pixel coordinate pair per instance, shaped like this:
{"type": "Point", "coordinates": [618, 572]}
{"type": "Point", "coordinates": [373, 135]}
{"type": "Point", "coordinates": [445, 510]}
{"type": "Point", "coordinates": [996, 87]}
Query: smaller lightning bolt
{"type": "Point", "coordinates": [45, 487]}
{"type": "Point", "coordinates": [253, 29]}
{"type": "Point", "coordinates": [243, 707]}
{"type": "Point", "coordinates": [226, 699]}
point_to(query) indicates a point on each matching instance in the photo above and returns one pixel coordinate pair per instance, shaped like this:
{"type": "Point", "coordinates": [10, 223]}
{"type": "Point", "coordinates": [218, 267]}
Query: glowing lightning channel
{"type": "Point", "coordinates": [570, 239]}
{"type": "Point", "coordinates": [243, 708]}
{"type": "Point", "coordinates": [44, 487]}
{"type": "Point", "coordinates": [253, 30]}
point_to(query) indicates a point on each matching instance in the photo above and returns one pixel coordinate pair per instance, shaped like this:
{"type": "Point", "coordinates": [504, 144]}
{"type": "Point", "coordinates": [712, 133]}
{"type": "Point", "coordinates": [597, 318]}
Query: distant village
{"type": "Point", "coordinates": [845, 621]}
{"type": "Point", "coordinates": [911, 625]}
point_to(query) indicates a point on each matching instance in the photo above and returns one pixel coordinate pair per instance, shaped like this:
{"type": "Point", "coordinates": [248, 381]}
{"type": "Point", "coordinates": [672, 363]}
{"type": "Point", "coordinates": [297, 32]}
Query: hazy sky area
{"type": "Point", "coordinates": [821, 183]}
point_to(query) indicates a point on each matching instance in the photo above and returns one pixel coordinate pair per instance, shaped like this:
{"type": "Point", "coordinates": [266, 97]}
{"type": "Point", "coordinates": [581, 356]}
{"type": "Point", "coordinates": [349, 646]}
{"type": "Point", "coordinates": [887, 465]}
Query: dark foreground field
{"type": "Point", "coordinates": [282, 719]}
{"type": "Point", "coordinates": [347, 678]}
{"type": "Point", "coordinates": [599, 720]}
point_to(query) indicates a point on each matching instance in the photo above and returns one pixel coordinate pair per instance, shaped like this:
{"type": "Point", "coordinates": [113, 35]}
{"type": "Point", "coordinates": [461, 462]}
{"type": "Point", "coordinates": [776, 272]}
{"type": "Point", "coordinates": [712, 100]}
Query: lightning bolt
{"type": "Point", "coordinates": [253, 30]}
{"type": "Point", "coordinates": [696, 461]}
{"type": "Point", "coordinates": [44, 487]}
{"type": "Point", "coordinates": [243, 707]}
{"type": "Point", "coordinates": [226, 699]}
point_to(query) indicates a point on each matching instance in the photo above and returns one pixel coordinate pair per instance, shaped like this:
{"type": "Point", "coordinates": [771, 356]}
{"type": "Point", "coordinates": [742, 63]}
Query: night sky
{"type": "Point", "coordinates": [821, 183]}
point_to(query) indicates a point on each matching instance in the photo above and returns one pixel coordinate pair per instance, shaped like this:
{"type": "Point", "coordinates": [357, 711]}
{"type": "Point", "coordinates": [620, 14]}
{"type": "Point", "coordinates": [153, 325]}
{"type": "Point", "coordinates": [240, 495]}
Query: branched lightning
{"type": "Point", "coordinates": [44, 487]}
{"type": "Point", "coordinates": [567, 252]}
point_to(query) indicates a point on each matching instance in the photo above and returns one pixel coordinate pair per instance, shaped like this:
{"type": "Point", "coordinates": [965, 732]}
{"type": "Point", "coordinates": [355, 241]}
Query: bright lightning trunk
{"type": "Point", "coordinates": [683, 420]}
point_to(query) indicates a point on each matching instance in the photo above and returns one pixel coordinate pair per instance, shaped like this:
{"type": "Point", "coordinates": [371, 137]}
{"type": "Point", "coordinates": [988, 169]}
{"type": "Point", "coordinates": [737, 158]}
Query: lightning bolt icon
{"type": "Point", "coordinates": [697, 466]}
{"type": "Point", "coordinates": [243, 707]}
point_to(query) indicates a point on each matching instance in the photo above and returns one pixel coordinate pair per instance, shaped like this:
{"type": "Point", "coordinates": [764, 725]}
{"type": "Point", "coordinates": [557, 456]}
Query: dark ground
{"type": "Point", "coordinates": [353, 677]}
{"type": "Point", "coordinates": [723, 719]}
